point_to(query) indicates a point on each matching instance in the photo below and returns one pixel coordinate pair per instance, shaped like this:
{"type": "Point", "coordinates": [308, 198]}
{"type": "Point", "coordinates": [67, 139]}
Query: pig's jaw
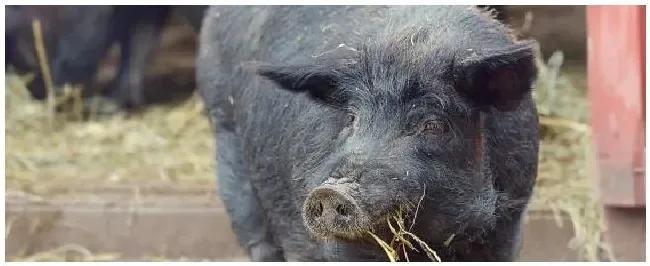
{"type": "Point", "coordinates": [343, 250]}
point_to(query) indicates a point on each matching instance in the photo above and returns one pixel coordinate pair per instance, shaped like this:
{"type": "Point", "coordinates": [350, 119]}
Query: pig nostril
{"type": "Point", "coordinates": [318, 211]}
{"type": "Point", "coordinates": [342, 210]}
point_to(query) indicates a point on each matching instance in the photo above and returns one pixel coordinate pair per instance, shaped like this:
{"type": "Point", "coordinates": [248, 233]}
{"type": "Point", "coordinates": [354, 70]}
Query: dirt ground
{"type": "Point", "coordinates": [169, 143]}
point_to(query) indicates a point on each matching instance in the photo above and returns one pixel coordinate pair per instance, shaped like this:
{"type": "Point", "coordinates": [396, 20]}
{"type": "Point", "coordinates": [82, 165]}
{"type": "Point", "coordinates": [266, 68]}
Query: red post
{"type": "Point", "coordinates": [616, 80]}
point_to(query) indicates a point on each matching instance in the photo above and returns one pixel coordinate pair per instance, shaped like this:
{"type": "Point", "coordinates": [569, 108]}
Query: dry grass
{"type": "Point", "coordinates": [401, 241]}
{"type": "Point", "coordinates": [565, 170]}
{"type": "Point", "coordinates": [163, 144]}
{"type": "Point", "coordinates": [69, 252]}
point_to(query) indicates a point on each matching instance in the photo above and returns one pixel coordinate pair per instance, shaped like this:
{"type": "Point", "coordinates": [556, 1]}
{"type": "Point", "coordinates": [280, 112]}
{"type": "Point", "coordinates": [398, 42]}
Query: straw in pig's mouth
{"type": "Point", "coordinates": [401, 241]}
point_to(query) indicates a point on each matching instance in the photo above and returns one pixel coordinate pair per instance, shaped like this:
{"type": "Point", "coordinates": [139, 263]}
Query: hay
{"type": "Point", "coordinates": [45, 69]}
{"type": "Point", "coordinates": [163, 144]}
{"type": "Point", "coordinates": [400, 241]}
{"type": "Point", "coordinates": [78, 253]}
{"type": "Point", "coordinates": [67, 253]}
{"type": "Point", "coordinates": [564, 183]}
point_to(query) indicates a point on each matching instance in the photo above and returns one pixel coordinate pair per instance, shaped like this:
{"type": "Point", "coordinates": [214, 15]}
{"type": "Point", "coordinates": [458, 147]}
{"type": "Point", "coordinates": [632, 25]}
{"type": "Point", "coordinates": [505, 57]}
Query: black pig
{"type": "Point", "coordinates": [329, 119]}
{"type": "Point", "coordinates": [78, 37]}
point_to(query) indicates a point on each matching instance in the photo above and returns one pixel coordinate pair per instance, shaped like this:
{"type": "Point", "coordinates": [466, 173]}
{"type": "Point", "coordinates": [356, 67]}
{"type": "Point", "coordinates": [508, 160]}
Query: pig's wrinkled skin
{"type": "Point", "coordinates": [328, 119]}
{"type": "Point", "coordinates": [77, 38]}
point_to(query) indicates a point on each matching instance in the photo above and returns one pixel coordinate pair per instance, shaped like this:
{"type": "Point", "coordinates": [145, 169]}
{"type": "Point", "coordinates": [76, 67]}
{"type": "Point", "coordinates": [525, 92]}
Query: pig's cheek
{"type": "Point", "coordinates": [377, 201]}
{"type": "Point", "coordinates": [387, 189]}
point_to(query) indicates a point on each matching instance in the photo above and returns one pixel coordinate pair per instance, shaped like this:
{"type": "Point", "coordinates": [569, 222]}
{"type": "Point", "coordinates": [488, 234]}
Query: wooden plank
{"type": "Point", "coordinates": [189, 222]}
{"type": "Point", "coordinates": [155, 223]}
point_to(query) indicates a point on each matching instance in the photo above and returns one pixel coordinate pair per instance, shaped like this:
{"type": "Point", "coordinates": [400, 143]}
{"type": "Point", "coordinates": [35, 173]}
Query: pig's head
{"type": "Point", "coordinates": [411, 134]}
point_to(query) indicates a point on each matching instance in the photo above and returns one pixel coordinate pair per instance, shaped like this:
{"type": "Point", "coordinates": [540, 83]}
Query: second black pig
{"type": "Point", "coordinates": [77, 38]}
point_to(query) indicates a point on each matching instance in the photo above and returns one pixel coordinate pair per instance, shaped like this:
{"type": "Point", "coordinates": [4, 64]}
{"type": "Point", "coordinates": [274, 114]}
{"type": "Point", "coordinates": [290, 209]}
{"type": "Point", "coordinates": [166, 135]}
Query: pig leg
{"type": "Point", "coordinates": [515, 246]}
{"type": "Point", "coordinates": [80, 49]}
{"type": "Point", "coordinates": [138, 41]}
{"type": "Point", "coordinates": [508, 238]}
{"type": "Point", "coordinates": [241, 203]}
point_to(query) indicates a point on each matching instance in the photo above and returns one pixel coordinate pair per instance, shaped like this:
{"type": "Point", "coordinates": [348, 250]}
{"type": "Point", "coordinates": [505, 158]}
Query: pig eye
{"type": "Point", "coordinates": [434, 127]}
{"type": "Point", "coordinates": [350, 119]}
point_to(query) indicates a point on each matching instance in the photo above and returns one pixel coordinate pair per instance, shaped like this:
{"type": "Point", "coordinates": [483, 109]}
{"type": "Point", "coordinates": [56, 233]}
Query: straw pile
{"type": "Point", "coordinates": [167, 144]}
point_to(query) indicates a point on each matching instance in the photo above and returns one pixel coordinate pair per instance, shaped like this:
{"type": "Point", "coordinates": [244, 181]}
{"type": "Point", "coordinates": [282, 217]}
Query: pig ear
{"type": "Point", "coordinates": [498, 78]}
{"type": "Point", "coordinates": [319, 83]}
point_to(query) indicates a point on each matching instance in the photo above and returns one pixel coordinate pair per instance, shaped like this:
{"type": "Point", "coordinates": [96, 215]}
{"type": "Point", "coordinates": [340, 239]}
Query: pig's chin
{"type": "Point", "coordinates": [345, 231]}
{"type": "Point", "coordinates": [361, 233]}
{"type": "Point", "coordinates": [342, 250]}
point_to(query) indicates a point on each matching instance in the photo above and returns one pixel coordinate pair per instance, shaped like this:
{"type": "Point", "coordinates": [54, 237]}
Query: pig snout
{"type": "Point", "coordinates": [331, 211]}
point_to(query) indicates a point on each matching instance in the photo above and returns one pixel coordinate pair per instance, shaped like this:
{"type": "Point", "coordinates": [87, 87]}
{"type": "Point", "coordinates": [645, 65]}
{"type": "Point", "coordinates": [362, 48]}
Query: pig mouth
{"type": "Point", "coordinates": [331, 212]}
{"type": "Point", "coordinates": [333, 216]}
